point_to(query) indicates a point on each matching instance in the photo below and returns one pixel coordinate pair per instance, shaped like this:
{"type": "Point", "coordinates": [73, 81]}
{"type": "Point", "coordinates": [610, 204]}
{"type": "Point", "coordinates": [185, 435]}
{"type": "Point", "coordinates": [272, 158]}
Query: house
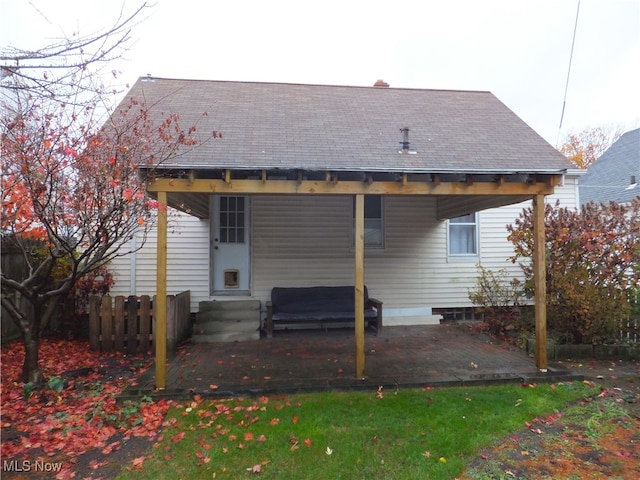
{"type": "Point", "coordinates": [615, 175]}
{"type": "Point", "coordinates": [401, 190]}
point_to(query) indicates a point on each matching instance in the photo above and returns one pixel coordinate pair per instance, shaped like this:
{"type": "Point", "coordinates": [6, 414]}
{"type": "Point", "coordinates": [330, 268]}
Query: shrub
{"type": "Point", "coordinates": [581, 311]}
{"type": "Point", "coordinates": [499, 299]}
{"type": "Point", "coordinates": [73, 322]}
{"type": "Point", "coordinates": [590, 259]}
{"type": "Point", "coordinates": [71, 314]}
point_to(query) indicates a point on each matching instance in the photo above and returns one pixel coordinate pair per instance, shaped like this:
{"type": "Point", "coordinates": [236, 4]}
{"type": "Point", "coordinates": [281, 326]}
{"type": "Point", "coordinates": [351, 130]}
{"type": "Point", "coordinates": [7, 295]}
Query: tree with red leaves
{"type": "Point", "coordinates": [590, 269]}
{"type": "Point", "coordinates": [72, 192]}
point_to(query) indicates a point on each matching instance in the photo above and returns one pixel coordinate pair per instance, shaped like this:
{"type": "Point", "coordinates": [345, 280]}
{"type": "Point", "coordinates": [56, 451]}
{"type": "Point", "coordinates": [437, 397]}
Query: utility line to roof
{"type": "Point", "coordinates": [566, 87]}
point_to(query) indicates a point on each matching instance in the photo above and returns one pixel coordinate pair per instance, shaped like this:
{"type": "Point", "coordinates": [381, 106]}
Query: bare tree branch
{"type": "Point", "coordinates": [58, 71]}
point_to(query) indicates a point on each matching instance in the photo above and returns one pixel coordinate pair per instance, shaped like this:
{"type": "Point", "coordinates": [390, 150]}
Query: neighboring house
{"type": "Point", "coordinates": [615, 175]}
{"type": "Point", "coordinates": [421, 250]}
{"type": "Point", "coordinates": [272, 202]}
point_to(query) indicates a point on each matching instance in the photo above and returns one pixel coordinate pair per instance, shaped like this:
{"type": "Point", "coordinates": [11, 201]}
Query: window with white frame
{"type": "Point", "coordinates": [373, 221]}
{"type": "Point", "coordinates": [463, 235]}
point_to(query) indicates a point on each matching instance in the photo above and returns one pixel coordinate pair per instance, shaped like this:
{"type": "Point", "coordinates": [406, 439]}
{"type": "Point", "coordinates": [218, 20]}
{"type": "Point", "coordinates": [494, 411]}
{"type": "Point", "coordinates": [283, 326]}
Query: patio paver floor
{"type": "Point", "coordinates": [313, 360]}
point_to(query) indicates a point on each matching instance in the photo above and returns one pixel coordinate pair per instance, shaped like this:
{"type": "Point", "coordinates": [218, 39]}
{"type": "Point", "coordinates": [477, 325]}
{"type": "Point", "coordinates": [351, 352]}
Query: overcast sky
{"type": "Point", "coordinates": [517, 49]}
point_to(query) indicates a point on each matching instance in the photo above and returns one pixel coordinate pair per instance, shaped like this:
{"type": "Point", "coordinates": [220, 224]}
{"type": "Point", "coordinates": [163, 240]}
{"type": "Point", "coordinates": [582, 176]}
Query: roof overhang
{"type": "Point", "coordinates": [457, 193]}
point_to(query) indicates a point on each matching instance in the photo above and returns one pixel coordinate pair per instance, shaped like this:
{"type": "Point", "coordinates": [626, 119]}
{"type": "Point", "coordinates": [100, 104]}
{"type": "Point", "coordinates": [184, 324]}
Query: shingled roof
{"type": "Point", "coordinates": [344, 128]}
{"type": "Point", "coordinates": [615, 176]}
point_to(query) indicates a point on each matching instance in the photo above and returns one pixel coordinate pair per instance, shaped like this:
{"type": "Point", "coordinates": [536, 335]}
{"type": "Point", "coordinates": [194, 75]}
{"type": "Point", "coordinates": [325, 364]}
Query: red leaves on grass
{"type": "Point", "coordinates": [84, 415]}
{"type": "Point", "coordinates": [536, 422]}
{"type": "Point", "coordinates": [138, 461]}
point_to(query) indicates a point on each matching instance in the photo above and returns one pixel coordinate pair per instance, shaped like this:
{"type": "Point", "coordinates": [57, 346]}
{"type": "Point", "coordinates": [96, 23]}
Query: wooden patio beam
{"type": "Point", "coordinates": [333, 187]}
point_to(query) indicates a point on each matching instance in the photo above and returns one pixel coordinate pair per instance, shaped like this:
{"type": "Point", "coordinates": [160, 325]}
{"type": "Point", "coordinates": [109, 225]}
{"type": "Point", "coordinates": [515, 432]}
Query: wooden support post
{"type": "Point", "coordinates": [539, 277]}
{"type": "Point", "coordinates": [359, 283]}
{"type": "Point", "coordinates": [160, 307]}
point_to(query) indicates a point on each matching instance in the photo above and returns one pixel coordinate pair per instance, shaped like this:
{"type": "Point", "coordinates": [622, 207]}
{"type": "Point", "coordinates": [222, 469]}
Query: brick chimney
{"type": "Point", "coordinates": [381, 83]}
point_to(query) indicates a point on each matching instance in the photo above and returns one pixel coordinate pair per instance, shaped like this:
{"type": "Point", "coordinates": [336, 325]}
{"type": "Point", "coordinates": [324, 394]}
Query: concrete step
{"type": "Point", "coordinates": [223, 305]}
{"type": "Point", "coordinates": [245, 325]}
{"type": "Point", "coordinates": [226, 337]}
{"type": "Point", "coordinates": [227, 315]}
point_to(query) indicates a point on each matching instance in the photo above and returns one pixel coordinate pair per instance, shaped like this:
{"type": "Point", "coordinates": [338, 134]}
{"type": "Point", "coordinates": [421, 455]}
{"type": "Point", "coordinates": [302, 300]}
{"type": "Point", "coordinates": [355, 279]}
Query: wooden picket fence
{"type": "Point", "coordinates": [127, 324]}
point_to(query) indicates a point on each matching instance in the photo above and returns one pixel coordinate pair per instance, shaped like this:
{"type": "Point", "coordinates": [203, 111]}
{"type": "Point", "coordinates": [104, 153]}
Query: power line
{"type": "Point", "coordinates": [566, 87]}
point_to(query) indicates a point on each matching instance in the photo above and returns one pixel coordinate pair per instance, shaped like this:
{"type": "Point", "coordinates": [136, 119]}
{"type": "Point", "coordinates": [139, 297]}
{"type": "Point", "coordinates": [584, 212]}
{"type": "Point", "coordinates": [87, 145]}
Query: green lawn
{"type": "Point", "coordinates": [405, 434]}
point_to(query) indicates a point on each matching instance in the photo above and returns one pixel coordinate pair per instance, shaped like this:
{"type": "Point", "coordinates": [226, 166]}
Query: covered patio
{"type": "Point", "coordinates": [491, 191]}
{"type": "Point", "coordinates": [293, 361]}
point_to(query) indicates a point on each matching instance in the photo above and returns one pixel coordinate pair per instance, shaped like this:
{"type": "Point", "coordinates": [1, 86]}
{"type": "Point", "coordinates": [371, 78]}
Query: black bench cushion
{"type": "Point", "coordinates": [316, 303]}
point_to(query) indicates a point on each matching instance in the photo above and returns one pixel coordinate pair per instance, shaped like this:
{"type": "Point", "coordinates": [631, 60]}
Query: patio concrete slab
{"type": "Point", "coordinates": [449, 354]}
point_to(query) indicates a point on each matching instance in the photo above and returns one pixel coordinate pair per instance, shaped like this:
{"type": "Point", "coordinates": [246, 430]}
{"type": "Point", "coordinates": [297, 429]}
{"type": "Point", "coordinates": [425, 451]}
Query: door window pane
{"type": "Point", "coordinates": [231, 219]}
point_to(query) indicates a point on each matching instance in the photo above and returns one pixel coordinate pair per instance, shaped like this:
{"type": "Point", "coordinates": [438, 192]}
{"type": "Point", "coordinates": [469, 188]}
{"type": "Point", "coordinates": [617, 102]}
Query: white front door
{"type": "Point", "coordinates": [230, 250]}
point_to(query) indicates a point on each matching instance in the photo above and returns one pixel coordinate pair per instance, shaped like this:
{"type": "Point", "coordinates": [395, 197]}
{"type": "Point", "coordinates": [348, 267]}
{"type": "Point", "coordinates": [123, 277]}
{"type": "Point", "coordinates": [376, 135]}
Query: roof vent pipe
{"type": "Point", "coordinates": [405, 139]}
{"type": "Point", "coordinates": [633, 183]}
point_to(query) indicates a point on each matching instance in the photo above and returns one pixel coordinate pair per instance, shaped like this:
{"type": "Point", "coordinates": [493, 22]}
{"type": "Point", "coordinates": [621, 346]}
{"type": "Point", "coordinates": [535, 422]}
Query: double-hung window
{"type": "Point", "coordinates": [373, 221]}
{"type": "Point", "coordinates": [463, 235]}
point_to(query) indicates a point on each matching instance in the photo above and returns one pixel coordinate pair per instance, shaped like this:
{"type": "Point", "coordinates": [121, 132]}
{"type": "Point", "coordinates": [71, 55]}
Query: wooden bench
{"type": "Point", "coordinates": [319, 305]}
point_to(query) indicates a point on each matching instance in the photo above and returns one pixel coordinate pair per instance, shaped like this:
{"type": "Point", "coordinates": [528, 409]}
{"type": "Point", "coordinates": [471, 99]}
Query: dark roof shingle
{"type": "Point", "coordinates": [316, 127]}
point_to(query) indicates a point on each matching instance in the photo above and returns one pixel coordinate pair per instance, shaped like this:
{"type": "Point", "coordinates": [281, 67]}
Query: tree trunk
{"type": "Point", "coordinates": [31, 328]}
{"type": "Point", "coordinates": [31, 336]}
{"type": "Point", "coordinates": [31, 331]}
{"type": "Point", "coordinates": [31, 369]}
